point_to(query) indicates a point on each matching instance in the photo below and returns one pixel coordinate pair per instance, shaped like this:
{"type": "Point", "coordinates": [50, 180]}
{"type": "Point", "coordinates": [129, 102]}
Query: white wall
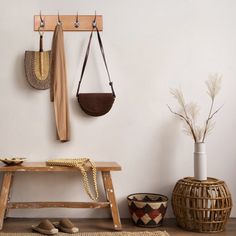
{"type": "Point", "coordinates": [151, 46]}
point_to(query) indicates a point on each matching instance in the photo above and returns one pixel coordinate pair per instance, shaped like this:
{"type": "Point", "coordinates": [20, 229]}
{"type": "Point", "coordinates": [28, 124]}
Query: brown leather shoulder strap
{"type": "Point", "coordinates": [86, 59]}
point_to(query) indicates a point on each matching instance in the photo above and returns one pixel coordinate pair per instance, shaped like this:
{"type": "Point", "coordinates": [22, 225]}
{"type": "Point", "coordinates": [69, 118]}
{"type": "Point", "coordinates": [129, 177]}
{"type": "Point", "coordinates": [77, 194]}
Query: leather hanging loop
{"type": "Point", "coordinates": [41, 43]}
{"type": "Point", "coordinates": [41, 33]}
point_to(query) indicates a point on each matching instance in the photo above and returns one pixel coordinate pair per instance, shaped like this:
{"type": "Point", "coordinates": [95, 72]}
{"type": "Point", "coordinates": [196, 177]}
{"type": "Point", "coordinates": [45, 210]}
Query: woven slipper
{"type": "Point", "coordinates": [66, 226]}
{"type": "Point", "coordinates": [45, 227]}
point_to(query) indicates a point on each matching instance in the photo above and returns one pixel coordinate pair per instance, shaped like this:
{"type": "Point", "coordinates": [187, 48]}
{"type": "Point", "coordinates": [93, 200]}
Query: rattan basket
{"type": "Point", "coordinates": [201, 206]}
{"type": "Point", "coordinates": [147, 209]}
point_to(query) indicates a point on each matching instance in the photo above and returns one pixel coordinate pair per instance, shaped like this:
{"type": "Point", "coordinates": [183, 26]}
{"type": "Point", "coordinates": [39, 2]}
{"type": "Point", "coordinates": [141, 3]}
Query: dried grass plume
{"type": "Point", "coordinates": [189, 112]}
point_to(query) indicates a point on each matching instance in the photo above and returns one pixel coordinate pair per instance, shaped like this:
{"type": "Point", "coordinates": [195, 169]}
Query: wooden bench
{"type": "Point", "coordinates": [104, 167]}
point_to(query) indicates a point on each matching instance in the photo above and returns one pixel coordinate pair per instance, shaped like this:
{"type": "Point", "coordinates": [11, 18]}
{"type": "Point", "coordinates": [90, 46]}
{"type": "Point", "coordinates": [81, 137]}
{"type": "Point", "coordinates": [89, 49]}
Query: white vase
{"type": "Point", "coordinates": [200, 161]}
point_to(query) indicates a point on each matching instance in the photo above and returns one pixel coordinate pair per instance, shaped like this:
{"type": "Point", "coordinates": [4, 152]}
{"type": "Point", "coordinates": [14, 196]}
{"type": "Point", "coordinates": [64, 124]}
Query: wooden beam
{"type": "Point", "coordinates": [110, 194]}
{"type": "Point", "coordinates": [29, 205]}
{"type": "Point", "coordinates": [42, 167]}
{"type": "Point", "coordinates": [68, 21]}
{"type": "Point", "coordinates": [6, 184]}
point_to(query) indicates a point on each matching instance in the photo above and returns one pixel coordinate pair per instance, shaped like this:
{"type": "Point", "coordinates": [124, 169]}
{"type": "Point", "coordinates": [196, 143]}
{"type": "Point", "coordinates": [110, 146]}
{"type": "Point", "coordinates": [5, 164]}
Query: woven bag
{"type": "Point", "coordinates": [37, 66]}
{"type": "Point", "coordinates": [83, 164]}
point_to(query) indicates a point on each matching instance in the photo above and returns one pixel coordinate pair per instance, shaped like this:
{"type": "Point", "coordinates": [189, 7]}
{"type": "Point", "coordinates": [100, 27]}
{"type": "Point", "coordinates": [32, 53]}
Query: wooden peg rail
{"type": "Point", "coordinates": [68, 21]}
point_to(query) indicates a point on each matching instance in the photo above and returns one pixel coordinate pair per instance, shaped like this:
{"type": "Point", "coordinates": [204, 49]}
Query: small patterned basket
{"type": "Point", "coordinates": [147, 209]}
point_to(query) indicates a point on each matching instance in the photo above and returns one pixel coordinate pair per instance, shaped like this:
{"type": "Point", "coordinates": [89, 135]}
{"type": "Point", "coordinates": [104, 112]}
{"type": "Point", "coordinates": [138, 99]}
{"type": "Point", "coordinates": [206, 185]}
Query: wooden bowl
{"type": "Point", "coordinates": [12, 161]}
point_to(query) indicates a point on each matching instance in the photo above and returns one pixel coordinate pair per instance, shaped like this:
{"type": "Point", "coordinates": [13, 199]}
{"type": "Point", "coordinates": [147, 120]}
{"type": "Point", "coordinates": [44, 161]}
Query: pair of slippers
{"type": "Point", "coordinates": [48, 228]}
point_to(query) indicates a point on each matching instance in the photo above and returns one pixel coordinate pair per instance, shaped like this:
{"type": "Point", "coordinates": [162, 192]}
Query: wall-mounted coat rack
{"type": "Point", "coordinates": [85, 22]}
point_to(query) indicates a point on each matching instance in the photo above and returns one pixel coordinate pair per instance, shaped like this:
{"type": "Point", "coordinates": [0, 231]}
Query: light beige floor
{"type": "Point", "coordinates": [92, 225]}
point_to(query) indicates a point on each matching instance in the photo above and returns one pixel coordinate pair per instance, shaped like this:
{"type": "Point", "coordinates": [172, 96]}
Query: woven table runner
{"type": "Point", "coordinates": [144, 233]}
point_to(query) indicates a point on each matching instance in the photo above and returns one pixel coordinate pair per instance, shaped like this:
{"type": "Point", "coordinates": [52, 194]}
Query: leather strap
{"type": "Point", "coordinates": [41, 43]}
{"type": "Point", "coordinates": [86, 59]}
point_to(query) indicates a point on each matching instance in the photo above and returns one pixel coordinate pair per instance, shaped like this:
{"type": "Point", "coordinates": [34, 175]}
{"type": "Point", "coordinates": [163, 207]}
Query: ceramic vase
{"type": "Point", "coordinates": [200, 161]}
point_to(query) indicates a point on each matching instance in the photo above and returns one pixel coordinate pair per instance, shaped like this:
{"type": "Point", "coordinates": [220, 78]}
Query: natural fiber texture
{"type": "Point", "coordinates": [144, 233]}
{"type": "Point", "coordinates": [82, 164]}
{"type": "Point", "coordinates": [46, 224]}
{"type": "Point", "coordinates": [201, 206]}
{"type": "Point", "coordinates": [147, 209]}
{"type": "Point", "coordinates": [41, 65]}
{"type": "Point", "coordinates": [58, 86]}
{"type": "Point", "coordinates": [37, 69]}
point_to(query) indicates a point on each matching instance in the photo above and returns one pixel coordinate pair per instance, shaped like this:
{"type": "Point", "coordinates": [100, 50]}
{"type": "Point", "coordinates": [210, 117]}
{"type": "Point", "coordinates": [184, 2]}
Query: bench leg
{"type": "Point", "coordinates": [110, 194]}
{"type": "Point", "coordinates": [6, 184]}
